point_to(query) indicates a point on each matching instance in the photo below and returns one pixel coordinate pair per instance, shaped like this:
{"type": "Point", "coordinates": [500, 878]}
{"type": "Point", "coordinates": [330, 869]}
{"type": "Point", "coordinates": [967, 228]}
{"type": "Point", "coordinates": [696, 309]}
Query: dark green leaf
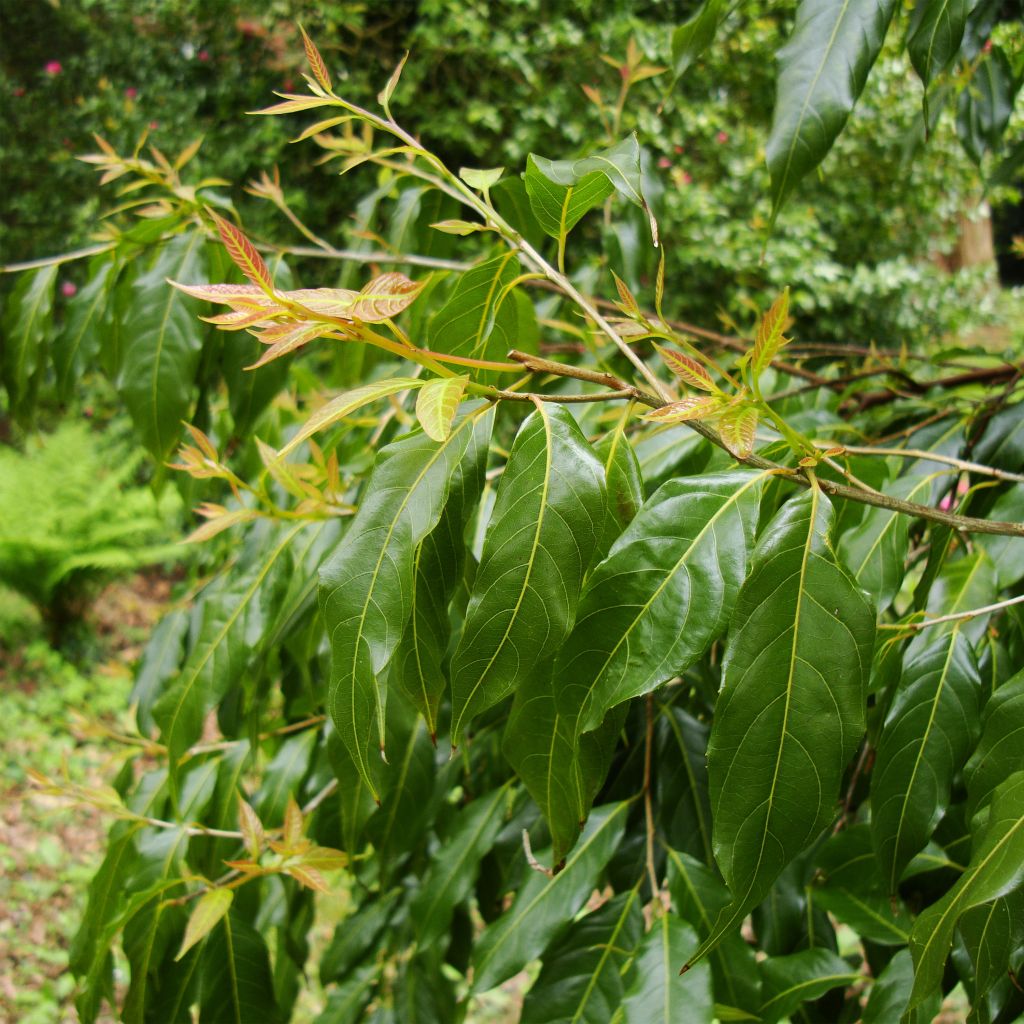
{"type": "Point", "coordinates": [26, 327]}
{"type": "Point", "coordinates": [682, 782]}
{"type": "Point", "coordinates": [160, 661]}
{"type": "Point", "coordinates": [665, 591]}
{"type": "Point", "coordinates": [928, 733]}
{"type": "Point", "coordinates": [985, 105]}
{"type": "Point", "coordinates": [162, 343]}
{"type": "Point", "coordinates": [283, 777]}
{"type": "Point", "coordinates": [581, 980]}
{"type": "Point", "coordinates": [891, 992]}
{"type": "Point", "coordinates": [356, 937]}
{"type": "Point", "coordinates": [791, 980]}
{"type": "Point", "coordinates": [963, 584]}
{"type": "Point", "coordinates": [996, 869]}
{"type": "Point", "coordinates": [936, 30]}
{"type": "Point", "coordinates": [783, 730]}
{"type": "Point", "coordinates": [823, 69]}
{"type": "Point", "coordinates": [76, 348]}
{"type": "Point", "coordinates": [235, 978]}
{"type": "Point", "coordinates": [656, 993]}
{"type": "Point", "coordinates": [545, 905]}
{"type": "Point", "coordinates": [452, 872]}
{"type": "Point", "coordinates": [546, 522]}
{"type": "Point", "coordinates": [345, 1004]}
{"type": "Point", "coordinates": [999, 751]}
{"type": "Point", "coordinates": [693, 37]}
{"type": "Point", "coordinates": [1006, 553]}
{"type": "Point", "coordinates": [366, 589]}
{"type": "Point", "coordinates": [623, 484]}
{"type": "Point", "coordinates": [993, 934]}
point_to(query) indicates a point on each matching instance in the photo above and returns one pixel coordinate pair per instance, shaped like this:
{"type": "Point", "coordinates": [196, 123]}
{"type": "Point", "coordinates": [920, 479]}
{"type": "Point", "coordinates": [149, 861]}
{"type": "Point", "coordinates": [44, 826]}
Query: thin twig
{"type": "Point", "coordinates": [917, 453]}
{"type": "Point", "coordinates": [955, 616]}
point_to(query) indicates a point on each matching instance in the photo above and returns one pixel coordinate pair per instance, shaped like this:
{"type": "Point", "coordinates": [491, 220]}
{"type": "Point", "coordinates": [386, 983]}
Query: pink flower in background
{"type": "Point", "coordinates": [664, 162]}
{"type": "Point", "coordinates": [679, 149]}
{"type": "Point", "coordinates": [153, 125]}
{"type": "Point", "coordinates": [686, 179]}
{"type": "Point", "coordinates": [54, 67]}
{"type": "Point", "coordinates": [131, 92]}
{"type": "Point", "coordinates": [203, 55]}
{"type": "Point", "coordinates": [68, 288]}
{"type": "Point", "coordinates": [18, 90]}
{"type": "Point", "coordinates": [947, 502]}
{"type": "Point", "coordinates": [722, 137]}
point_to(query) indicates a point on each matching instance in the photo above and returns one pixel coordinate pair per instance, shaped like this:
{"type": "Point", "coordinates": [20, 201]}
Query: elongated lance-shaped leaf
{"type": "Point", "coordinates": [77, 346]}
{"type": "Point", "coordinates": [205, 916]}
{"type": "Point", "coordinates": [993, 934]}
{"type": "Point", "coordinates": [788, 718]}
{"type": "Point", "coordinates": [452, 872]}
{"type": "Point", "coordinates": [792, 980]}
{"type": "Point", "coordinates": [984, 108]}
{"type": "Point", "coordinates": [665, 591]}
{"type": "Point", "coordinates": [823, 69]}
{"type": "Point", "coordinates": [1000, 751]}
{"type": "Point", "coordinates": [471, 323]}
{"type": "Point", "coordinates": [558, 208]}
{"type": "Point", "coordinates": [698, 895]}
{"type": "Point", "coordinates": [366, 588]}
{"type": "Point", "coordinates": [543, 904]}
{"type": "Point", "coordinates": [563, 772]}
{"type": "Point", "coordinates": [231, 616]}
{"type": "Point", "coordinates": [891, 992]}
{"type": "Point", "coordinates": [996, 869]}
{"type": "Point", "coordinates": [876, 549]}
{"type": "Point", "coordinates": [236, 983]}
{"type": "Point", "coordinates": [928, 734]}
{"type": "Point", "coordinates": [346, 404]}
{"type": "Point", "coordinates": [693, 37]}
{"type": "Point", "coordinates": [682, 781]}
{"type": "Point", "coordinates": [624, 487]}
{"type": "Point", "coordinates": [936, 31]}
{"type": "Point", "coordinates": [582, 976]}
{"type": "Point", "coordinates": [418, 668]}
{"type": "Point", "coordinates": [962, 584]}
{"type": "Point", "coordinates": [620, 164]}
{"type": "Point", "coordinates": [656, 993]}
{"type": "Point", "coordinates": [546, 523]}
{"type": "Point", "coordinates": [26, 323]}
{"type": "Point", "coordinates": [244, 254]}
{"type": "Point", "coordinates": [162, 344]}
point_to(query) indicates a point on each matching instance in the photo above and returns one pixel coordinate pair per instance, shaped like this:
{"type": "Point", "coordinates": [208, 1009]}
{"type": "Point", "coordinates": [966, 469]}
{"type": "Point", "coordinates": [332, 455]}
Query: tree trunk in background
{"type": "Point", "coordinates": [974, 243]}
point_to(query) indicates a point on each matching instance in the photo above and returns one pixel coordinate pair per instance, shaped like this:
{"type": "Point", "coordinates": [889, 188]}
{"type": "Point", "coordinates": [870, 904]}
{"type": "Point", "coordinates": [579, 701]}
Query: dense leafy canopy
{"type": "Point", "coordinates": [633, 662]}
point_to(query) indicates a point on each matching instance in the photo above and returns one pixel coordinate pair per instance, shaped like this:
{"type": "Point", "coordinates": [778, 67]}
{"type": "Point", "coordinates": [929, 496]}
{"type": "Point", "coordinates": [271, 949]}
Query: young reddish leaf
{"type": "Point", "coordinates": [204, 443]}
{"type": "Point", "coordinates": [737, 427]}
{"type": "Point", "coordinates": [627, 301]}
{"type": "Point", "coordinates": [244, 255]}
{"type": "Point", "coordinates": [212, 906]}
{"type": "Point", "coordinates": [251, 827]}
{"type": "Point", "coordinates": [769, 333]}
{"type": "Point", "coordinates": [437, 403]}
{"type": "Point", "coordinates": [332, 302]}
{"type": "Point", "coordinates": [240, 319]}
{"type": "Point", "coordinates": [246, 295]}
{"type": "Point", "coordinates": [294, 338]}
{"type": "Point", "coordinates": [322, 126]}
{"type": "Point", "coordinates": [323, 858]}
{"type": "Point", "coordinates": [316, 62]}
{"type": "Point", "coordinates": [688, 370]}
{"type": "Point", "coordinates": [692, 407]}
{"type": "Point", "coordinates": [220, 519]}
{"type": "Point", "coordinates": [291, 834]}
{"type": "Point", "coordinates": [309, 877]}
{"type": "Point", "coordinates": [384, 297]}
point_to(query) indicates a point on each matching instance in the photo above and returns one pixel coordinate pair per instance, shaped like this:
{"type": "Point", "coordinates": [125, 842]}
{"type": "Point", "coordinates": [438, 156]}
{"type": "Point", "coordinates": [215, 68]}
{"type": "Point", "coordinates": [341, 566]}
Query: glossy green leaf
{"type": "Point", "coordinates": [77, 346]}
{"type": "Point", "coordinates": [163, 339]}
{"type": "Point", "coordinates": [356, 936]}
{"type": "Point", "coordinates": [1000, 752]}
{"type": "Point", "coordinates": [996, 869]}
{"type": "Point", "coordinates": [624, 486]}
{"type": "Point", "coordinates": [694, 36]}
{"type": "Point", "coordinates": [891, 992]}
{"type": "Point", "coordinates": [452, 872]}
{"type": "Point", "coordinates": [876, 549]}
{"type": "Point", "coordinates": [230, 614]}
{"type": "Point", "coordinates": [682, 781]}
{"type": "Point", "coordinates": [665, 591]}
{"type": "Point", "coordinates": [562, 772]}
{"type": "Point", "coordinates": [963, 584]}
{"type": "Point", "coordinates": [366, 588]}
{"type": "Point", "coordinates": [791, 980]}
{"type": "Point", "coordinates": [928, 734]}
{"type": "Point", "coordinates": [235, 976]}
{"type": "Point", "coordinates": [437, 403]}
{"type": "Point", "coordinates": [546, 523]}
{"type": "Point", "coordinates": [481, 180]}
{"type": "Point", "coordinates": [993, 935]}
{"type": "Point", "coordinates": [656, 993]}
{"type": "Point", "coordinates": [558, 208]}
{"type": "Point", "coordinates": [345, 1004]}
{"type": "Point", "coordinates": [784, 729]}
{"type": "Point", "coordinates": [823, 69]}
{"type": "Point", "coordinates": [543, 905]}
{"type": "Point", "coordinates": [581, 979]}
{"type": "Point", "coordinates": [1007, 553]}
{"type": "Point", "coordinates": [936, 31]}
{"type": "Point", "coordinates": [418, 669]}
{"type": "Point", "coordinates": [698, 895]}
{"type": "Point", "coordinates": [620, 164]}
{"type": "Point", "coordinates": [205, 916]}
{"type": "Point", "coordinates": [471, 323]}
{"type": "Point", "coordinates": [26, 326]}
